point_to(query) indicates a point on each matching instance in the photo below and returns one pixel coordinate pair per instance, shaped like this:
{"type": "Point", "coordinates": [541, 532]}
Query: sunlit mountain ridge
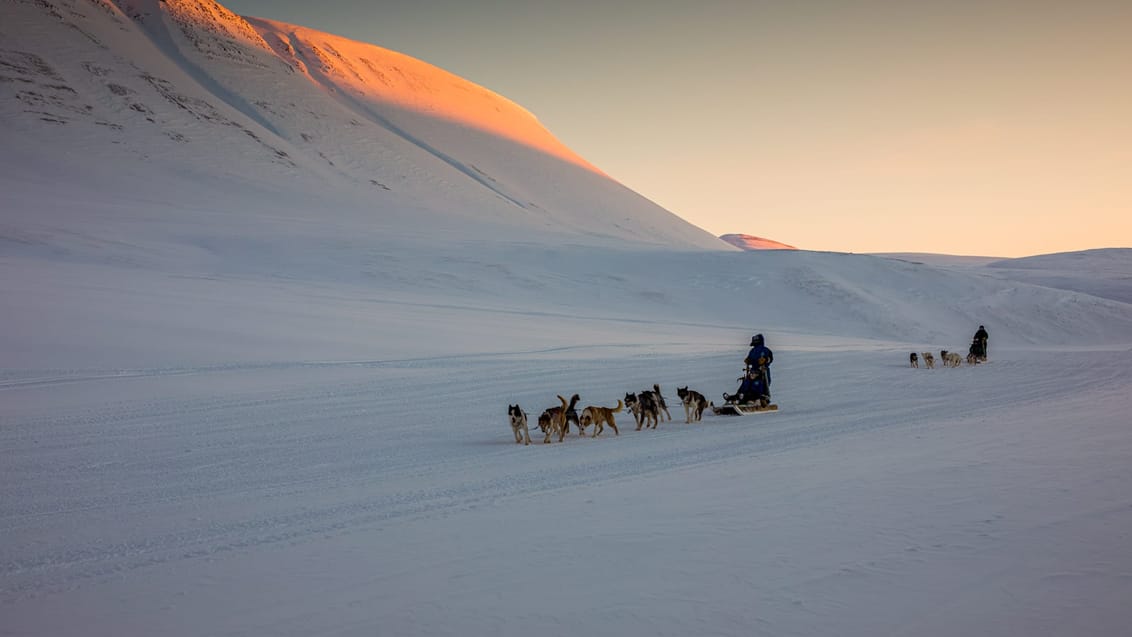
{"type": "Point", "coordinates": [187, 101]}
{"type": "Point", "coordinates": [751, 242]}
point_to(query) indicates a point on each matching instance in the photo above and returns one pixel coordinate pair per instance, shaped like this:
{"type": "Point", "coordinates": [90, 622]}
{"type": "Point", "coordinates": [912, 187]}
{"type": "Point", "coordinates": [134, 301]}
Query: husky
{"type": "Point", "coordinates": [518, 419]}
{"type": "Point", "coordinates": [644, 408]}
{"type": "Point", "coordinates": [912, 360]}
{"type": "Point", "coordinates": [571, 416]}
{"type": "Point", "coordinates": [929, 360]}
{"type": "Point", "coordinates": [661, 406]}
{"type": "Point", "coordinates": [694, 403]}
{"type": "Point", "coordinates": [598, 416]}
{"type": "Point", "coordinates": [554, 420]}
{"type": "Point", "coordinates": [973, 353]}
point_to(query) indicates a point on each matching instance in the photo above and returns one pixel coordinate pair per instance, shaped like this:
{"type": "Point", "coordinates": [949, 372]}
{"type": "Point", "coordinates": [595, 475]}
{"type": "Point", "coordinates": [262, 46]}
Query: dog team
{"type": "Point", "coordinates": [975, 355]}
{"type": "Point", "coordinates": [949, 359]}
{"type": "Point", "coordinates": [648, 408]}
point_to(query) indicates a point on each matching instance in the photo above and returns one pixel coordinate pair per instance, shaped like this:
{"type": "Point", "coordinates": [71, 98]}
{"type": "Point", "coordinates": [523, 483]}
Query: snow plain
{"type": "Point", "coordinates": [238, 397]}
{"type": "Point", "coordinates": [242, 454]}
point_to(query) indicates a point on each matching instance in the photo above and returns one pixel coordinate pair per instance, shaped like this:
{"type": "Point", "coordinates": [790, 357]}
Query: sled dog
{"type": "Point", "coordinates": [518, 419]}
{"type": "Point", "coordinates": [973, 357]}
{"type": "Point", "coordinates": [554, 419]}
{"type": "Point", "coordinates": [929, 360]}
{"type": "Point", "coordinates": [644, 408]}
{"type": "Point", "coordinates": [599, 417]}
{"type": "Point", "coordinates": [661, 406]}
{"type": "Point", "coordinates": [912, 360]}
{"type": "Point", "coordinates": [571, 414]}
{"type": "Point", "coordinates": [950, 359]}
{"type": "Point", "coordinates": [694, 403]}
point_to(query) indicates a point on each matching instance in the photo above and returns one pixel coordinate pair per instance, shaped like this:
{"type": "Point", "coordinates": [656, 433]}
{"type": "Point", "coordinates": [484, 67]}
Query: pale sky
{"type": "Point", "coordinates": [996, 128]}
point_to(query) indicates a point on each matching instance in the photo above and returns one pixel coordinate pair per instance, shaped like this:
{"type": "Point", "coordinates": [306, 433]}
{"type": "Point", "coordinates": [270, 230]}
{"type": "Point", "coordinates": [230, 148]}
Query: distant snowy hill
{"type": "Point", "coordinates": [1105, 272]}
{"type": "Point", "coordinates": [748, 242]}
{"type": "Point", "coordinates": [182, 103]}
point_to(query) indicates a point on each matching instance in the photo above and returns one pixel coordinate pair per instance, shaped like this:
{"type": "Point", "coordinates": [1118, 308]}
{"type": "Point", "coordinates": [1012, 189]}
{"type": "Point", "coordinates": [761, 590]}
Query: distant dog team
{"type": "Point", "coordinates": [949, 359]}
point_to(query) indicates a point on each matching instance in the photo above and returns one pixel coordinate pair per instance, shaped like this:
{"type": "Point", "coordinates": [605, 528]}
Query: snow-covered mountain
{"type": "Point", "coordinates": [750, 242]}
{"type": "Point", "coordinates": [182, 103]}
{"type": "Point", "coordinates": [149, 146]}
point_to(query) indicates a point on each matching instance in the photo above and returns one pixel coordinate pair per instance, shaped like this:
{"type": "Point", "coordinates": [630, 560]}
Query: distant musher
{"type": "Point", "coordinates": [979, 343]}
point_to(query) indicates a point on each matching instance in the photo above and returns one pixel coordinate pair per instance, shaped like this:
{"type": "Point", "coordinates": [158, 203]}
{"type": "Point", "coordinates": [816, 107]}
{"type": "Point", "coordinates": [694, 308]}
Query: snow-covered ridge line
{"type": "Point", "coordinates": [750, 242]}
{"type": "Point", "coordinates": [264, 111]}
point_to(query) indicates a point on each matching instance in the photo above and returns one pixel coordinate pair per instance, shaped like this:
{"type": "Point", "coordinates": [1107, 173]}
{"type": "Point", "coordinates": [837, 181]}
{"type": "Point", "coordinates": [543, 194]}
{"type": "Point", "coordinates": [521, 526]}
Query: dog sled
{"type": "Point", "coordinates": [742, 409]}
{"type": "Point", "coordinates": [977, 353]}
{"type": "Point", "coordinates": [752, 397]}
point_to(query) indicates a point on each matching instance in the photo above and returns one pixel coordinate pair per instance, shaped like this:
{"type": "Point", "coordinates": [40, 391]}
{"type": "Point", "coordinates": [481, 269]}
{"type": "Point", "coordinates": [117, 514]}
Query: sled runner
{"type": "Point", "coordinates": [741, 409]}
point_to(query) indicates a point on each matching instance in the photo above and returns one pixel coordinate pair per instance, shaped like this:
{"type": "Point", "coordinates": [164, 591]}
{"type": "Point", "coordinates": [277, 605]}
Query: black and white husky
{"type": "Point", "coordinates": [694, 403]}
{"type": "Point", "coordinates": [518, 419]}
{"type": "Point", "coordinates": [644, 408]}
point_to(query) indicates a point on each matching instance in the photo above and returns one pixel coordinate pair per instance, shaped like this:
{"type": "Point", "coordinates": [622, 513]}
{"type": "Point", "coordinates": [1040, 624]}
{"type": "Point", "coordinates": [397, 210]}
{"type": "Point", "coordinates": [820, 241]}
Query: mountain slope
{"type": "Point", "coordinates": [1105, 272]}
{"type": "Point", "coordinates": [183, 93]}
{"type": "Point", "coordinates": [749, 242]}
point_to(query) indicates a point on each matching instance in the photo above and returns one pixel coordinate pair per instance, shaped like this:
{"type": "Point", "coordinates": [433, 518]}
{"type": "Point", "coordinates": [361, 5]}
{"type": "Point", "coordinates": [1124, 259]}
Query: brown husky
{"type": "Point", "coordinates": [598, 416]}
{"type": "Point", "coordinates": [553, 420]}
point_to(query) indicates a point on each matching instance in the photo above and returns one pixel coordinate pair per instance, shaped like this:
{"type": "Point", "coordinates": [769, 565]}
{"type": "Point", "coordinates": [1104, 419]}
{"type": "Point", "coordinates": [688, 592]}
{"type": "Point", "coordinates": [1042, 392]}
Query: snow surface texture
{"type": "Point", "coordinates": [238, 404]}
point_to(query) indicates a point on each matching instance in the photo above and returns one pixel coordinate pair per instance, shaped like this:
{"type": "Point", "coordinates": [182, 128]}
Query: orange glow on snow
{"type": "Point", "coordinates": [371, 73]}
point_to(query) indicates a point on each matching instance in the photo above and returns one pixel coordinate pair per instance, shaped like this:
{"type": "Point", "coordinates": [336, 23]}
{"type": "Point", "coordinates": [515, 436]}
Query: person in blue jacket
{"type": "Point", "coordinates": [756, 384]}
